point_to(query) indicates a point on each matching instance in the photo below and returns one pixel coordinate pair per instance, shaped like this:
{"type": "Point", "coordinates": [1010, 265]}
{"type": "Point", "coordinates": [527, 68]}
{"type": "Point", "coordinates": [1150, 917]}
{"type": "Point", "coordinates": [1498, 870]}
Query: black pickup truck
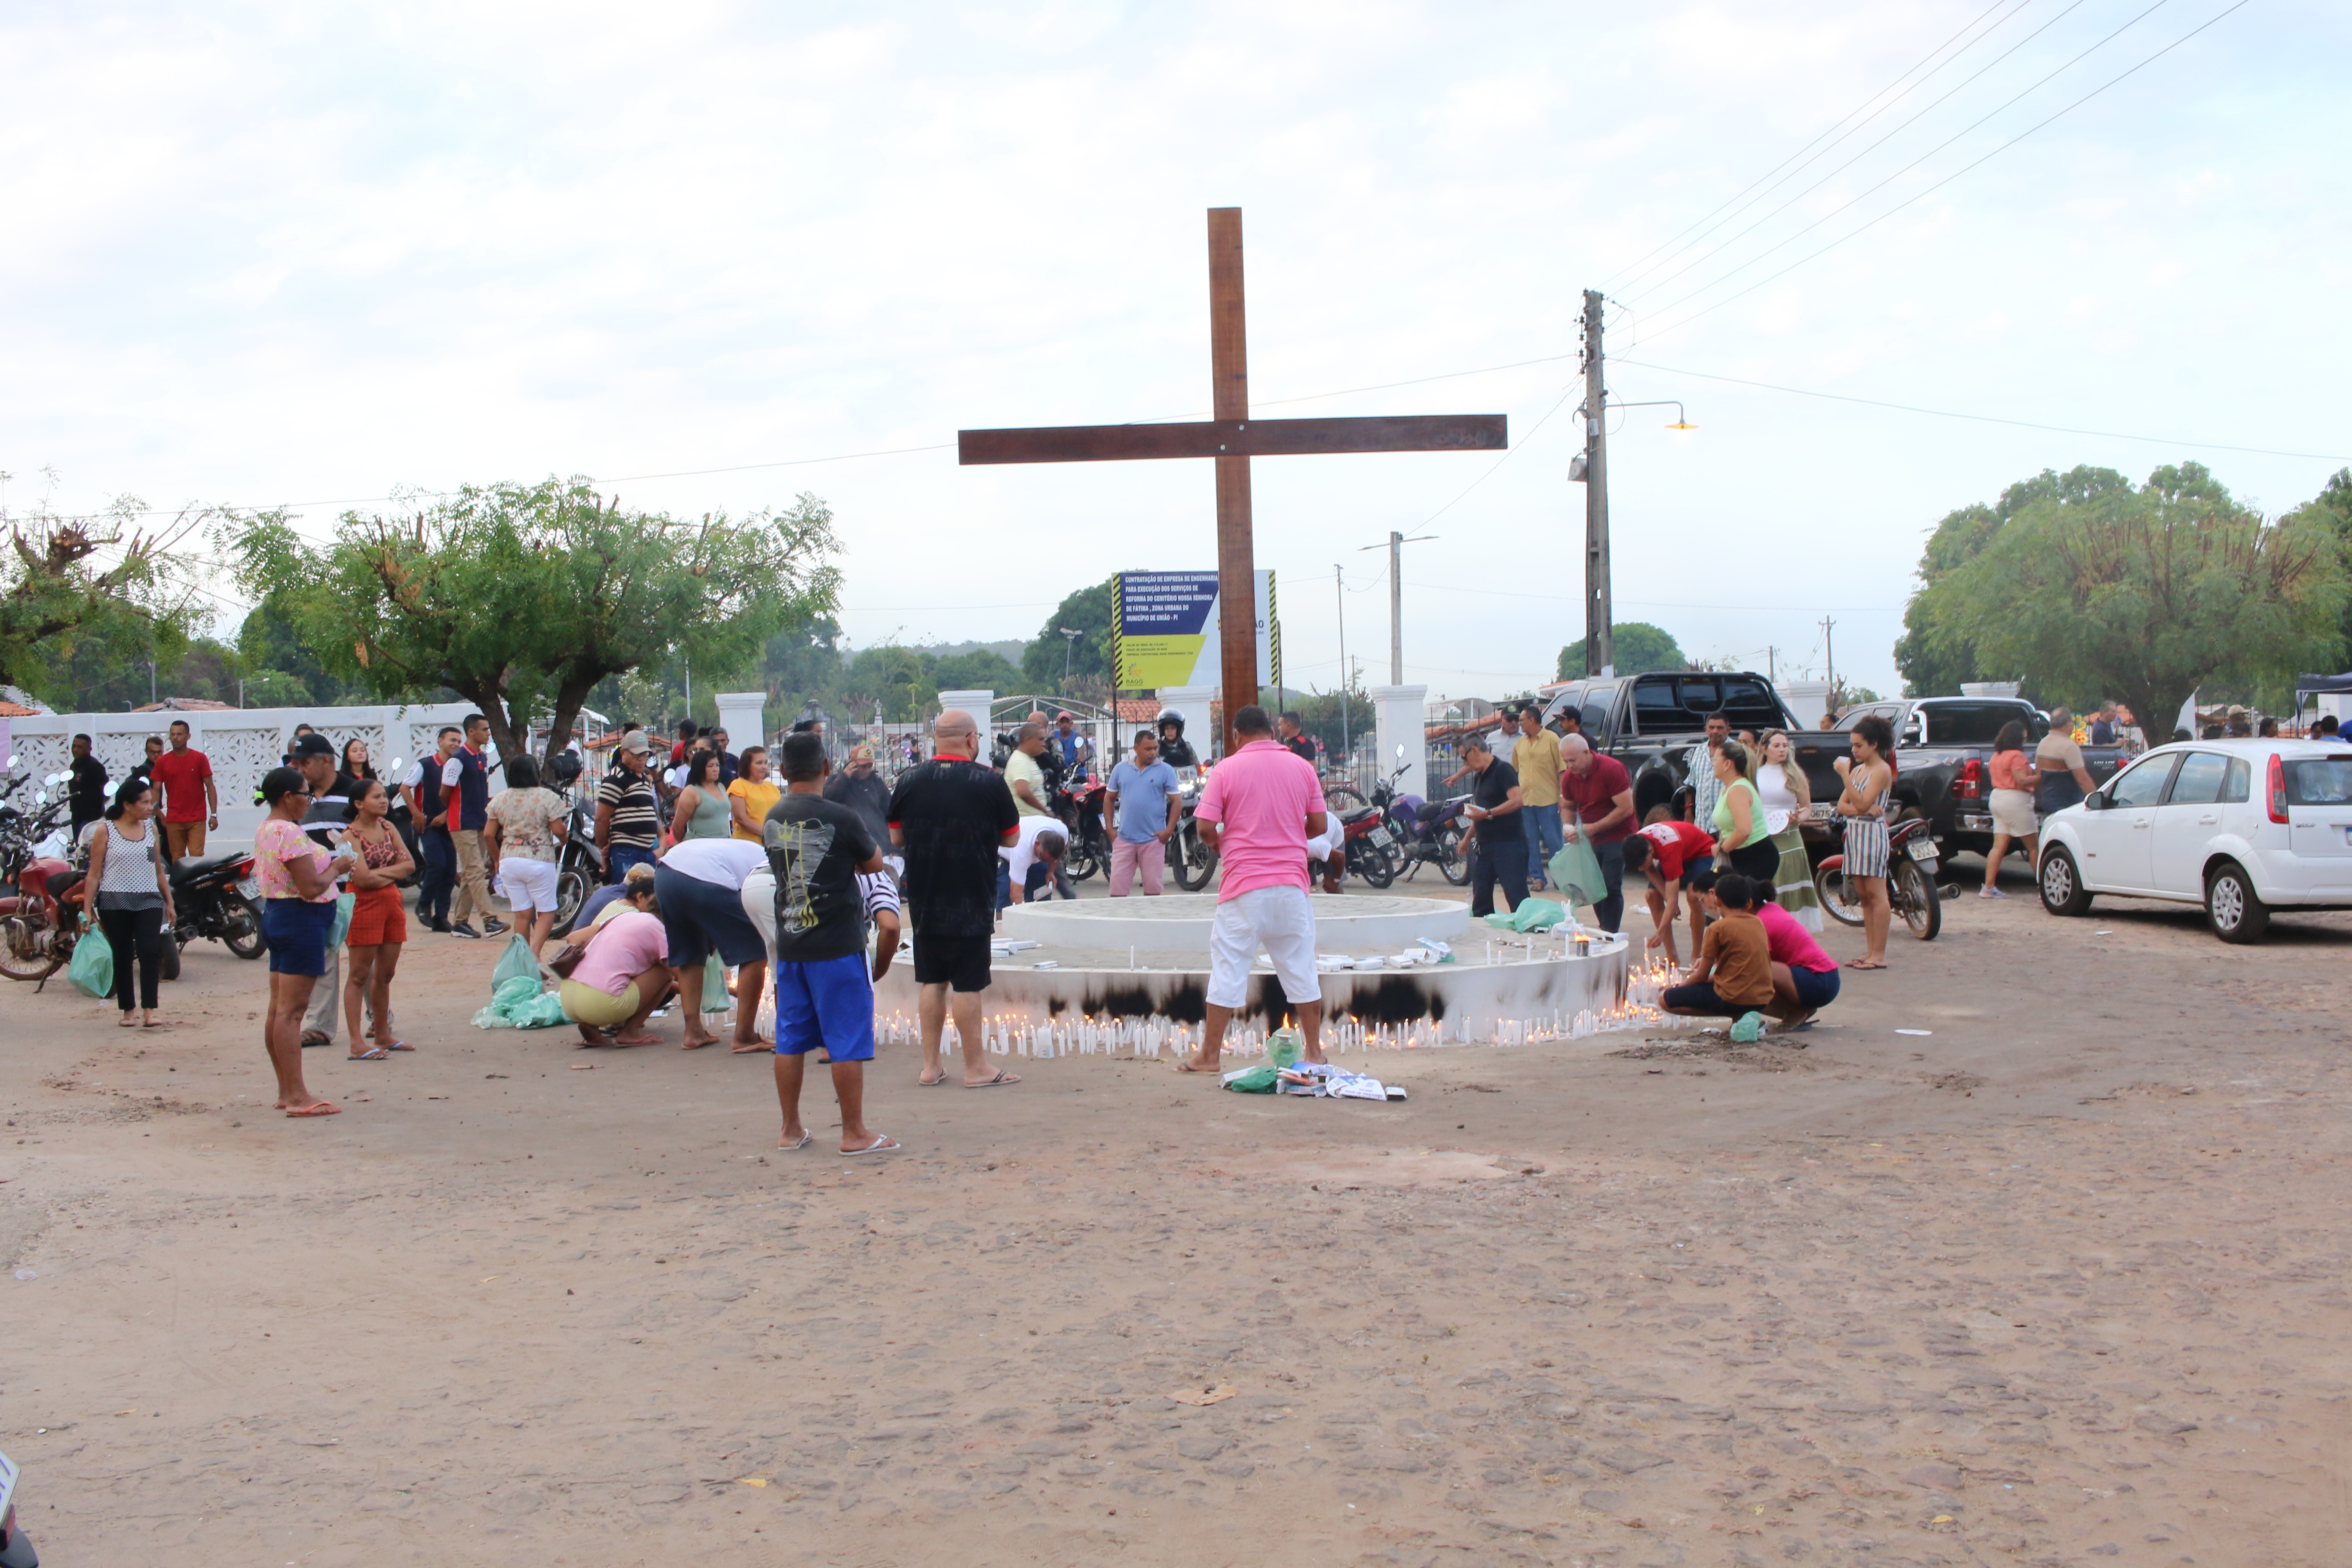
{"type": "Point", "coordinates": [1943, 760]}
{"type": "Point", "coordinates": [1649, 723]}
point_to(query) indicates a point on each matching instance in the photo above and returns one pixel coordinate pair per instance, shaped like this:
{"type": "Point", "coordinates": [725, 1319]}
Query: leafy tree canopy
{"type": "Point", "coordinates": [2332, 508]}
{"type": "Point", "coordinates": [523, 598]}
{"type": "Point", "coordinates": [91, 592]}
{"type": "Point", "coordinates": [2095, 588]}
{"type": "Point", "coordinates": [1087, 612]}
{"type": "Point", "coordinates": [1638, 647]}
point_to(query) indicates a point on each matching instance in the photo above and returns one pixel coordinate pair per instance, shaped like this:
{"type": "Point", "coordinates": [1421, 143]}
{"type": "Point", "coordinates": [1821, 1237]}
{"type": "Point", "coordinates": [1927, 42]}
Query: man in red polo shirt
{"type": "Point", "coordinates": [1597, 788]}
{"type": "Point", "coordinates": [191, 799]}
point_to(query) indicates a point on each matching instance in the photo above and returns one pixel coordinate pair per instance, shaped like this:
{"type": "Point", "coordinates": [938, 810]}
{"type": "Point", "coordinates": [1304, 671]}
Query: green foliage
{"type": "Point", "coordinates": [1086, 611]}
{"type": "Point", "coordinates": [1933, 654]}
{"type": "Point", "coordinates": [91, 593]}
{"type": "Point", "coordinates": [524, 599]}
{"type": "Point", "coordinates": [2095, 589]}
{"type": "Point", "coordinates": [2331, 509]}
{"type": "Point", "coordinates": [280, 670]}
{"type": "Point", "coordinates": [99, 679]}
{"type": "Point", "coordinates": [1323, 715]}
{"type": "Point", "coordinates": [1637, 647]}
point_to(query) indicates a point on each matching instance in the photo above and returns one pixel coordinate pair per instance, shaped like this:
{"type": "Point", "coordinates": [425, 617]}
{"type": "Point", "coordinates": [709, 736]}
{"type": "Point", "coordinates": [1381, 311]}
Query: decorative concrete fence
{"type": "Point", "coordinates": [242, 743]}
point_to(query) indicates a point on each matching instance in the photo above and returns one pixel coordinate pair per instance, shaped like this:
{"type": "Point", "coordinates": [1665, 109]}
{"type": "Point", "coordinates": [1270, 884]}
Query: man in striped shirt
{"type": "Point", "coordinates": [628, 819]}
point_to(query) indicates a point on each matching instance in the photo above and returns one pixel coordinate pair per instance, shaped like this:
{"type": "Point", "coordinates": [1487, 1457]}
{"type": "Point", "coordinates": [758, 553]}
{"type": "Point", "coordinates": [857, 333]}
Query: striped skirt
{"type": "Point", "coordinates": [1866, 846]}
{"type": "Point", "coordinates": [1793, 884]}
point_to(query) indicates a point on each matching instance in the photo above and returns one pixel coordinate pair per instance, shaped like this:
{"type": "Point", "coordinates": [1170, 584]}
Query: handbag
{"type": "Point", "coordinates": [564, 962]}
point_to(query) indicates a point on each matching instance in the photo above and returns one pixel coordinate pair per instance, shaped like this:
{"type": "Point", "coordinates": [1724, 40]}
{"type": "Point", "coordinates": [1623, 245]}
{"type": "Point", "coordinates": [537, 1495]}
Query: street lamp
{"type": "Point", "coordinates": [1070, 636]}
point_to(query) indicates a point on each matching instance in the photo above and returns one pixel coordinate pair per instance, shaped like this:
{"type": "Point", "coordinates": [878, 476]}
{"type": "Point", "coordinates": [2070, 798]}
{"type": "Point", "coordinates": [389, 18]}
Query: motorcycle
{"type": "Point", "coordinates": [1370, 848]}
{"type": "Point", "coordinates": [580, 868]}
{"type": "Point", "coordinates": [1194, 861]}
{"type": "Point", "coordinates": [1428, 832]}
{"type": "Point", "coordinates": [1079, 805]}
{"type": "Point", "coordinates": [39, 923]}
{"type": "Point", "coordinates": [216, 897]}
{"type": "Point", "coordinates": [1910, 879]}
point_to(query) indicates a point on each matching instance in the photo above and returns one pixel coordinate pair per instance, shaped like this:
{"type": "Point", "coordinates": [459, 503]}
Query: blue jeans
{"type": "Point", "coordinates": [619, 858]}
{"type": "Point", "coordinates": [1543, 839]}
{"type": "Point", "coordinates": [437, 877]}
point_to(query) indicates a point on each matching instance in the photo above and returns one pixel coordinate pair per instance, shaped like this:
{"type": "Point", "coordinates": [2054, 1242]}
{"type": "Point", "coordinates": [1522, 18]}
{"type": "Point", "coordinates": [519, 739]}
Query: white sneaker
{"type": "Point", "coordinates": [1991, 893]}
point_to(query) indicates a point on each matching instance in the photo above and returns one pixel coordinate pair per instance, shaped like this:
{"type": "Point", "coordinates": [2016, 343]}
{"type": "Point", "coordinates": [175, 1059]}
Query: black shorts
{"type": "Point", "coordinates": [958, 961]}
{"type": "Point", "coordinates": [1700, 998]}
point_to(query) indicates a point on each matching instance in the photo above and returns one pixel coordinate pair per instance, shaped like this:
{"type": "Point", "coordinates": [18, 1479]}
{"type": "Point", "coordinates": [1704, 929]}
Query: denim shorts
{"type": "Point", "coordinates": [699, 916]}
{"type": "Point", "coordinates": [295, 930]}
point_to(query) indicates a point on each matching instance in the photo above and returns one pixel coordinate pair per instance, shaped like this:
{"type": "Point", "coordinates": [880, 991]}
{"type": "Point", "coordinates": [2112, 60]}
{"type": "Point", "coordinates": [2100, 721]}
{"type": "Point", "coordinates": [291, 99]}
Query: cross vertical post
{"type": "Point", "coordinates": [1229, 399]}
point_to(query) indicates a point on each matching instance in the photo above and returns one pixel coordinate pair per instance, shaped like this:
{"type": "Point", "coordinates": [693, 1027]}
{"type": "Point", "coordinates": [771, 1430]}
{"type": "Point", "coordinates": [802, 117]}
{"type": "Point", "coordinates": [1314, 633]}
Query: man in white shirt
{"type": "Point", "coordinates": [1698, 764]}
{"type": "Point", "coordinates": [699, 883]}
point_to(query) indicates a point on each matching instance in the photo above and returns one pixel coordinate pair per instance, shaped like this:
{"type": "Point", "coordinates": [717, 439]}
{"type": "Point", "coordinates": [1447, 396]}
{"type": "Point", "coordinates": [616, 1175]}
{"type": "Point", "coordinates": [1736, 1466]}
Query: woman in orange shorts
{"type": "Point", "coordinates": [379, 925]}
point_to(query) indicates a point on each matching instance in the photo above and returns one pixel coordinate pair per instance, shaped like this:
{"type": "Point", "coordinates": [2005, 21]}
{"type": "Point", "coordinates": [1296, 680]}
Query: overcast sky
{"type": "Point", "coordinates": [263, 254]}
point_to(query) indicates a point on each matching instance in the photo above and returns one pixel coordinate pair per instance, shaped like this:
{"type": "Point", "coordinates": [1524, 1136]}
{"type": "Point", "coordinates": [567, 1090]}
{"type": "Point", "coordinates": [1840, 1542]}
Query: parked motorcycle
{"type": "Point", "coordinates": [216, 897]}
{"type": "Point", "coordinates": [38, 924]}
{"type": "Point", "coordinates": [1910, 879]}
{"type": "Point", "coordinates": [1079, 805]}
{"type": "Point", "coordinates": [1427, 832]}
{"type": "Point", "coordinates": [1370, 848]}
{"type": "Point", "coordinates": [1194, 861]}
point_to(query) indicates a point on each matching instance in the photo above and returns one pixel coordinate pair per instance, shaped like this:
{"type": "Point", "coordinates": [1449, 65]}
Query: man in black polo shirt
{"type": "Point", "coordinates": [86, 792]}
{"type": "Point", "coordinates": [1499, 853]}
{"type": "Point", "coordinates": [950, 815]}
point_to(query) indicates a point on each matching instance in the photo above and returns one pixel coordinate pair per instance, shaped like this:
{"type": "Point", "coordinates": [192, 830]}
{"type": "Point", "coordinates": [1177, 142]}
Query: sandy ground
{"type": "Point", "coordinates": [2062, 1281]}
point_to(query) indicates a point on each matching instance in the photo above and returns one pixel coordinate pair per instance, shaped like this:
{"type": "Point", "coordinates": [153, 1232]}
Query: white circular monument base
{"type": "Point", "coordinates": [1179, 922]}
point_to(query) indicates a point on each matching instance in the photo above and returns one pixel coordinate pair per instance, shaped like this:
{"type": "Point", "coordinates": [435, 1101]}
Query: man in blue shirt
{"type": "Point", "coordinates": [1143, 801]}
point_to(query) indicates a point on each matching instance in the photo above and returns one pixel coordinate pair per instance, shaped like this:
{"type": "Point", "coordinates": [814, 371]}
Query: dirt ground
{"type": "Point", "coordinates": [2061, 1281]}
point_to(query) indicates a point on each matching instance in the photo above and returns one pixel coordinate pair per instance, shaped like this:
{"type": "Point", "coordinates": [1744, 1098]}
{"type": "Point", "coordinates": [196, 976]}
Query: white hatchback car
{"type": "Point", "coordinates": [2241, 826]}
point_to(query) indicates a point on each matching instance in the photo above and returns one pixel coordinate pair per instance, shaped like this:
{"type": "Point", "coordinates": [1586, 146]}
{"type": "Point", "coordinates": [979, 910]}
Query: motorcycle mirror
{"type": "Point", "coordinates": [1400, 750]}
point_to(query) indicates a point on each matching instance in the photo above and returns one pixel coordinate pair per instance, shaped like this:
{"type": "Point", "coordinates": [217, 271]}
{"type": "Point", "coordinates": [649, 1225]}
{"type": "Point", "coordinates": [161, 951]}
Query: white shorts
{"type": "Point", "coordinates": [528, 886]}
{"type": "Point", "coordinates": [1280, 921]}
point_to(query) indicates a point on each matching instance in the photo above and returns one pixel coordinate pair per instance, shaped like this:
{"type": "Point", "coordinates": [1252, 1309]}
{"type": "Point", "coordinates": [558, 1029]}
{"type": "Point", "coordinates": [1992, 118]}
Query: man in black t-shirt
{"type": "Point", "coordinates": [825, 1000]}
{"type": "Point", "coordinates": [1499, 853]}
{"type": "Point", "coordinates": [86, 794]}
{"type": "Point", "coordinates": [951, 815]}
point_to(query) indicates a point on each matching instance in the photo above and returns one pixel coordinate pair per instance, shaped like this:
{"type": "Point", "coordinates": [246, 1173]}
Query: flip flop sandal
{"type": "Point", "coordinates": [888, 1146]}
{"type": "Point", "coordinates": [373, 1054]}
{"type": "Point", "coordinates": [922, 1082]}
{"type": "Point", "coordinates": [1187, 1067]}
{"type": "Point", "coordinates": [312, 1042]}
{"type": "Point", "coordinates": [324, 1108]}
{"type": "Point", "coordinates": [400, 1045]}
{"type": "Point", "coordinates": [1002, 1078]}
{"type": "Point", "coordinates": [803, 1143]}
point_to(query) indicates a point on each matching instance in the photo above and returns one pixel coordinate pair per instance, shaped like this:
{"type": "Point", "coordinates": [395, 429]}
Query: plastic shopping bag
{"type": "Point", "coordinates": [344, 904]}
{"type": "Point", "coordinates": [516, 964]}
{"type": "Point", "coordinates": [1575, 870]}
{"type": "Point", "coordinates": [1533, 914]}
{"type": "Point", "coordinates": [517, 1002]}
{"type": "Point", "coordinates": [92, 968]}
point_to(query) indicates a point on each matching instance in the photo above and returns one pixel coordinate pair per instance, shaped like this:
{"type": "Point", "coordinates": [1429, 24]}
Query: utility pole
{"type": "Point", "coordinates": [1395, 547]}
{"type": "Point", "coordinates": [1829, 648]}
{"type": "Point", "coordinates": [1346, 746]}
{"type": "Point", "coordinates": [1600, 655]}
{"type": "Point", "coordinates": [1772, 667]}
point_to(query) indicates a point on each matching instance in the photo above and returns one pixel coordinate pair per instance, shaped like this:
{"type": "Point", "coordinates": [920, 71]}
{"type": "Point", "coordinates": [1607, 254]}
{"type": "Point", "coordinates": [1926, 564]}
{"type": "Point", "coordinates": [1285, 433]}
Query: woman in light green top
{"type": "Point", "coordinates": [701, 809]}
{"type": "Point", "coordinates": [1742, 840]}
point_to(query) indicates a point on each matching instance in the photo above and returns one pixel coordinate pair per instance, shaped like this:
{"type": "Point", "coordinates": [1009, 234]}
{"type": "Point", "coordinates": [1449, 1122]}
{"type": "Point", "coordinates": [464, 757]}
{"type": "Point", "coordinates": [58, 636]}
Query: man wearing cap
{"type": "Point", "coordinates": [628, 818]}
{"type": "Point", "coordinates": [331, 795]}
{"type": "Point", "coordinates": [1068, 745]}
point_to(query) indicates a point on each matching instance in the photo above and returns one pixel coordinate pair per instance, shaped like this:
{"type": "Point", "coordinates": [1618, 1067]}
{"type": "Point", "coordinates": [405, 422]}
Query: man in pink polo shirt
{"type": "Point", "coordinates": [1259, 810]}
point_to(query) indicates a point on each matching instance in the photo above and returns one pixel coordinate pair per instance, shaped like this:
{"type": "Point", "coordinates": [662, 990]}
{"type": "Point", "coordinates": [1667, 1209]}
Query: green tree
{"type": "Point", "coordinates": [2332, 508]}
{"type": "Point", "coordinates": [1087, 612]}
{"type": "Point", "coordinates": [2146, 593]}
{"type": "Point", "coordinates": [523, 599]}
{"type": "Point", "coordinates": [982, 669]}
{"type": "Point", "coordinates": [92, 591]}
{"type": "Point", "coordinates": [1638, 647]}
{"type": "Point", "coordinates": [281, 670]}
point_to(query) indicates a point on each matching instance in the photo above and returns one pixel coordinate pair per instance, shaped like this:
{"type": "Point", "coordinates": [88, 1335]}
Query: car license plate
{"type": "Point", "coordinates": [1977, 824]}
{"type": "Point", "coordinates": [1380, 835]}
{"type": "Point", "coordinates": [1922, 850]}
{"type": "Point", "coordinates": [248, 888]}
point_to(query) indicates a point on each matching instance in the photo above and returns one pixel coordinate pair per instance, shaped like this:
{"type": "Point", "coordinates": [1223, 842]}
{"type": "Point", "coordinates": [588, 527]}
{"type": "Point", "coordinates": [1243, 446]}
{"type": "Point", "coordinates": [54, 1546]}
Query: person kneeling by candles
{"type": "Point", "coordinates": [1733, 976]}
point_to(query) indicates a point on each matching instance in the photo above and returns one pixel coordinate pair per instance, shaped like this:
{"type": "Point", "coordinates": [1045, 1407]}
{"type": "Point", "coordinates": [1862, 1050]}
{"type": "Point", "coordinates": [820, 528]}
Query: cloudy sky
{"type": "Point", "coordinates": [268, 253]}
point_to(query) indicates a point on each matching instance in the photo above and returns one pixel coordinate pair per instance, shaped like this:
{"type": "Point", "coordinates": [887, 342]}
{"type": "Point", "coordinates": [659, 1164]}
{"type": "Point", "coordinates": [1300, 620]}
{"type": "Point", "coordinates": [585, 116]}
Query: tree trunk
{"type": "Point", "coordinates": [568, 696]}
{"type": "Point", "coordinates": [2155, 709]}
{"type": "Point", "coordinates": [490, 698]}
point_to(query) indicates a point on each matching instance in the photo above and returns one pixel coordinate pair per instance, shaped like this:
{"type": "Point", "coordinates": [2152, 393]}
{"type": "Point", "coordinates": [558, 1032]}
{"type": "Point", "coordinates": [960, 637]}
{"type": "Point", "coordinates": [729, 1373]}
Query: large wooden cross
{"type": "Point", "coordinates": [1233, 438]}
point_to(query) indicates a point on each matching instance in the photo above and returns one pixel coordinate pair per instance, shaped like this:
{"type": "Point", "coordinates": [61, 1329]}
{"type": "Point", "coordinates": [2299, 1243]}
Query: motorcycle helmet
{"type": "Point", "coordinates": [1170, 716]}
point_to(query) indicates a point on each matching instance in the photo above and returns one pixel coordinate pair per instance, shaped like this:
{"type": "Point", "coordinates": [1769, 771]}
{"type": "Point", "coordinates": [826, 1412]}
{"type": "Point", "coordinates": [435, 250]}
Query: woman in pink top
{"type": "Point", "coordinates": [1804, 978]}
{"type": "Point", "coordinates": [622, 976]}
{"type": "Point", "coordinates": [2014, 781]}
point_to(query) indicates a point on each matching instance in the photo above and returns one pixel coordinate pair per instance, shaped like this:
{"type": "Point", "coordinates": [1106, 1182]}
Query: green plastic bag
{"type": "Point", "coordinates": [344, 904]}
{"type": "Point", "coordinates": [92, 967]}
{"type": "Point", "coordinates": [1533, 914]}
{"type": "Point", "coordinates": [1258, 1080]}
{"type": "Point", "coordinates": [517, 1002]}
{"type": "Point", "coordinates": [516, 964]}
{"type": "Point", "coordinates": [1575, 870]}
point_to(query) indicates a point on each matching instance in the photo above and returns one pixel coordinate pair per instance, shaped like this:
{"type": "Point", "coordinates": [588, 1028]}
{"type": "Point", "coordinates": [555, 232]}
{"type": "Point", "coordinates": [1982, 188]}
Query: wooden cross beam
{"type": "Point", "coordinates": [1233, 438]}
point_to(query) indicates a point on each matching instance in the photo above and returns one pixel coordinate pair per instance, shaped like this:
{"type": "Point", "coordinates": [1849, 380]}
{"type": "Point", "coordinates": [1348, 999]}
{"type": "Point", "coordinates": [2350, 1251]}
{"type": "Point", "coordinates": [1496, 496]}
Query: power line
{"type": "Point", "coordinates": [1985, 418]}
{"type": "Point", "coordinates": [1732, 204]}
{"type": "Point", "coordinates": [1889, 136]}
{"type": "Point", "coordinates": [1938, 186]}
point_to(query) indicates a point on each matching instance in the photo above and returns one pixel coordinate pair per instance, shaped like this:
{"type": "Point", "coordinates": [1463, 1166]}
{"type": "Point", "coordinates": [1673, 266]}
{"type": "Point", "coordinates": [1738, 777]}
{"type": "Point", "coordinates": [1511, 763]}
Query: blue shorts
{"type": "Point", "coordinates": [827, 1006]}
{"type": "Point", "coordinates": [699, 916]}
{"type": "Point", "coordinates": [1816, 988]}
{"type": "Point", "coordinates": [296, 932]}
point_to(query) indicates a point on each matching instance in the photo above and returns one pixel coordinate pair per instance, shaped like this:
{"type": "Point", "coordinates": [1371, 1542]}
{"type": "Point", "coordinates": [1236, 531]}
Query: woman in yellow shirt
{"type": "Point", "coordinates": [750, 795]}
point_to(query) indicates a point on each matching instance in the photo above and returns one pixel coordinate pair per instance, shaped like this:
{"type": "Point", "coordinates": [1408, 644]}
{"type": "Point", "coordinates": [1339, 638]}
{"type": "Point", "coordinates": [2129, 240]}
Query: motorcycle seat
{"type": "Point", "coordinates": [190, 868]}
{"type": "Point", "coordinates": [1359, 814]}
{"type": "Point", "coordinates": [1429, 811]}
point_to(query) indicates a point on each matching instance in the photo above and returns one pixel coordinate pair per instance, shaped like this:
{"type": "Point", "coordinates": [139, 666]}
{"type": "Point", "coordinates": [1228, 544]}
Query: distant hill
{"type": "Point", "coordinates": [1009, 651]}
